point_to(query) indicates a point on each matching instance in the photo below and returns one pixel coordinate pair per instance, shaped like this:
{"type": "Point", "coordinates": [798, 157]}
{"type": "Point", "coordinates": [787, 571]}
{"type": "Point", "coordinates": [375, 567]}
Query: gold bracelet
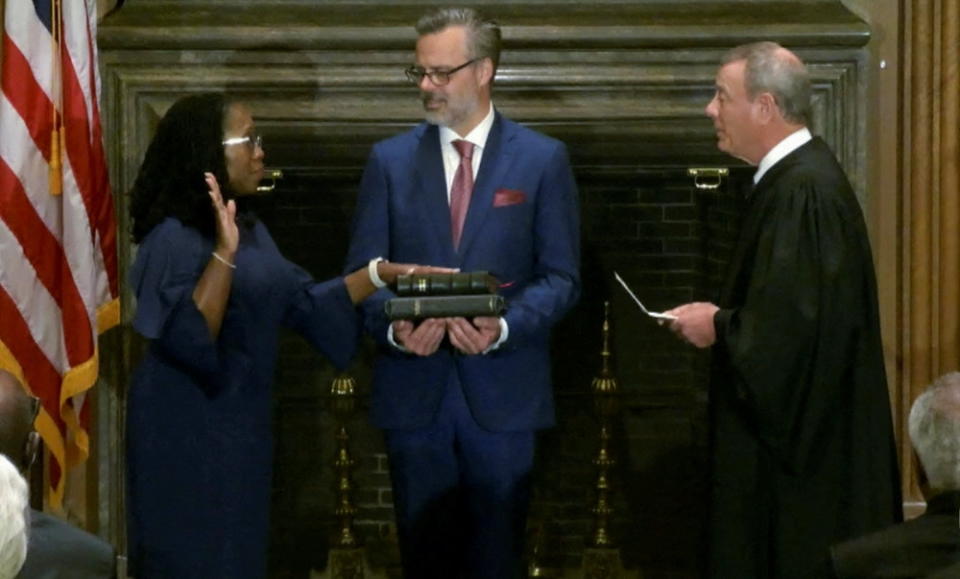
{"type": "Point", "coordinates": [223, 261]}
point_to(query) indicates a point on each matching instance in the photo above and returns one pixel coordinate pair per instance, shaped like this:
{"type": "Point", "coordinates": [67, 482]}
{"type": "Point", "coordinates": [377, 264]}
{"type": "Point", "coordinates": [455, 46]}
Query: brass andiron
{"type": "Point", "coordinates": [343, 401]}
{"type": "Point", "coordinates": [605, 405]}
{"type": "Point", "coordinates": [535, 553]}
{"type": "Point", "coordinates": [601, 559]}
{"type": "Point", "coordinates": [346, 559]}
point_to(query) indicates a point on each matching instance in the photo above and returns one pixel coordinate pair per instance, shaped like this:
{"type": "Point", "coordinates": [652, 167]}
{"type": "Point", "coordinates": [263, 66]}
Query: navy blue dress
{"type": "Point", "coordinates": [199, 436]}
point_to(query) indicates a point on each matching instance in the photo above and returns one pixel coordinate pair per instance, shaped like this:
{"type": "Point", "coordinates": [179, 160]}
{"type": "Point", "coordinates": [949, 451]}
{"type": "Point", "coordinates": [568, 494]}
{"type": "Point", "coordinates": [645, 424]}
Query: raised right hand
{"type": "Point", "coordinates": [228, 236]}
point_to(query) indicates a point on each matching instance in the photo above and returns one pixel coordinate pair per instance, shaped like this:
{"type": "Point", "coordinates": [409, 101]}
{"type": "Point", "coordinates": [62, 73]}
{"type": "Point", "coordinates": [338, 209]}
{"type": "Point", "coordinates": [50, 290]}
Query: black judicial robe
{"type": "Point", "coordinates": [803, 453]}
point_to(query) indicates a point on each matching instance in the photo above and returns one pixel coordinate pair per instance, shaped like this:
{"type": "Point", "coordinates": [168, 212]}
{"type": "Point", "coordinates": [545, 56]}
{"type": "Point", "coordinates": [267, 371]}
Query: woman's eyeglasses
{"type": "Point", "coordinates": [253, 142]}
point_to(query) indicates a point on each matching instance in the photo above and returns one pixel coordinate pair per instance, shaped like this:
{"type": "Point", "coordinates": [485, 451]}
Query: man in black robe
{"type": "Point", "coordinates": [803, 453]}
{"type": "Point", "coordinates": [930, 543]}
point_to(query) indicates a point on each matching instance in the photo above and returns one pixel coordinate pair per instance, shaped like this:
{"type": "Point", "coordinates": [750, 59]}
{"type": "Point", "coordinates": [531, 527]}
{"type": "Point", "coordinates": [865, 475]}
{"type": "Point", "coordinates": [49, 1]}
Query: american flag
{"type": "Point", "coordinates": [58, 259]}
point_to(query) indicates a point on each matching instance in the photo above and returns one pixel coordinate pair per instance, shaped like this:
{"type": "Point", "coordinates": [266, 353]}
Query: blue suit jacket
{"type": "Point", "coordinates": [522, 226]}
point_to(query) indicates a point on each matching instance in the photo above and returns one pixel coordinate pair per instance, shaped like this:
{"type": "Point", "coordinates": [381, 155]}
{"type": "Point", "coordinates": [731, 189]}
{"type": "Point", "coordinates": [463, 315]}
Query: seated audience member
{"type": "Point", "coordinates": [56, 549]}
{"type": "Point", "coordinates": [13, 514]}
{"type": "Point", "coordinates": [928, 546]}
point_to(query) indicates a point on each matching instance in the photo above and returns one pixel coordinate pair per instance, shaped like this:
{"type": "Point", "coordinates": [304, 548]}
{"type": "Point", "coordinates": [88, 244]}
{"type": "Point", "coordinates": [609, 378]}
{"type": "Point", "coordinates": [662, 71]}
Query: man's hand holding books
{"type": "Point", "coordinates": [463, 306]}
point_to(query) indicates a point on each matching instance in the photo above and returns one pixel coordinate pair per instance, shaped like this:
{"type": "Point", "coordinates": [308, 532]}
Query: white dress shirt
{"type": "Point", "coordinates": [451, 158]}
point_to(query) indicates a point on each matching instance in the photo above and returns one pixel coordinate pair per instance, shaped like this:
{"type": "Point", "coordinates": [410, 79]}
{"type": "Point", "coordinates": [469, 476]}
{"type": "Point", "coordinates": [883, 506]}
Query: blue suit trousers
{"type": "Point", "coordinates": [461, 494]}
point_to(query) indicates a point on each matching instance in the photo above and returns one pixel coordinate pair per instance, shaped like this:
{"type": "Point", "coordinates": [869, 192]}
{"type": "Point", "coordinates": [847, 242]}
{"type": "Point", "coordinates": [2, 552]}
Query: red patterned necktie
{"type": "Point", "coordinates": [461, 190]}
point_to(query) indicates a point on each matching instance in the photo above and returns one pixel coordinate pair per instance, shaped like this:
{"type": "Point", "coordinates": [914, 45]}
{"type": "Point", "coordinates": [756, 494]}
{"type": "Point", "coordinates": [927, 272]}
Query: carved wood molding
{"type": "Point", "coordinates": [351, 25]}
{"type": "Point", "coordinates": [632, 77]}
{"type": "Point", "coordinates": [610, 61]}
{"type": "Point", "coordinates": [621, 113]}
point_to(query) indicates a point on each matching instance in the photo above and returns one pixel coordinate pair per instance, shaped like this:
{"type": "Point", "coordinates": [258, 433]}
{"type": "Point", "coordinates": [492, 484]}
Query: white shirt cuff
{"type": "Point", "coordinates": [504, 334]}
{"type": "Point", "coordinates": [393, 342]}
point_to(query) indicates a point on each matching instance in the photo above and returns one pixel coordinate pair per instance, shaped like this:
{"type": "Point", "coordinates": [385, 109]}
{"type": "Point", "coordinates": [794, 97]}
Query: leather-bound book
{"type": "Point", "coordinates": [445, 284]}
{"type": "Point", "coordinates": [466, 306]}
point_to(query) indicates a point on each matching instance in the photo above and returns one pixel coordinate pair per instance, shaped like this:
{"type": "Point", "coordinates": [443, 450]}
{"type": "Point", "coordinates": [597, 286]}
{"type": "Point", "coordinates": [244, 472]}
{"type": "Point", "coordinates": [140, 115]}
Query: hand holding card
{"type": "Point", "coordinates": [657, 315]}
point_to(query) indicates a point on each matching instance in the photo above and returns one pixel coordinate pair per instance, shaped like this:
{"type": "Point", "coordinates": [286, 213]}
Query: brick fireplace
{"type": "Point", "coordinates": [655, 228]}
{"type": "Point", "coordinates": [624, 85]}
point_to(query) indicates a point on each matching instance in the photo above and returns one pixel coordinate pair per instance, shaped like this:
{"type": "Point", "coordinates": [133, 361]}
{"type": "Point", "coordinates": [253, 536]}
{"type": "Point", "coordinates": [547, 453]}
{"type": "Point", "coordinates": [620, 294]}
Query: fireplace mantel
{"type": "Point", "coordinates": [624, 83]}
{"type": "Point", "coordinates": [360, 25]}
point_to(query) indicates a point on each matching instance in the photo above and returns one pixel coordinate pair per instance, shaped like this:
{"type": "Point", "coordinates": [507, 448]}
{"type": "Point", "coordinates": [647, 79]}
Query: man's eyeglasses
{"type": "Point", "coordinates": [438, 77]}
{"type": "Point", "coordinates": [253, 142]}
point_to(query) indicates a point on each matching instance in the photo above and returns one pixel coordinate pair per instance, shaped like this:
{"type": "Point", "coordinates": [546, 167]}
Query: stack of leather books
{"type": "Point", "coordinates": [445, 295]}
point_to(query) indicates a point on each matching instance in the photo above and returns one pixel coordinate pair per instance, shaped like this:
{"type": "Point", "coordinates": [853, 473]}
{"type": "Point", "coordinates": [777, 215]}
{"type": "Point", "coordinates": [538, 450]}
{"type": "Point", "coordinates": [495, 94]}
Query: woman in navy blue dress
{"type": "Point", "coordinates": [212, 292]}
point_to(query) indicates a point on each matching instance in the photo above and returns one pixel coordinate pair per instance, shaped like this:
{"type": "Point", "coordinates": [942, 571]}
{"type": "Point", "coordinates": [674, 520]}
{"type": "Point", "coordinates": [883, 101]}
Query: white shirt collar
{"type": "Point", "coordinates": [478, 136]}
{"type": "Point", "coordinates": [788, 145]}
{"type": "Point", "coordinates": [451, 158]}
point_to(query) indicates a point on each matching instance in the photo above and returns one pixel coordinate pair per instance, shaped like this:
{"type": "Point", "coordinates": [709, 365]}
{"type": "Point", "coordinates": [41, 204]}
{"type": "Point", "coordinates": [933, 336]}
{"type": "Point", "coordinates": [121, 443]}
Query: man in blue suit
{"type": "Point", "coordinates": [460, 400]}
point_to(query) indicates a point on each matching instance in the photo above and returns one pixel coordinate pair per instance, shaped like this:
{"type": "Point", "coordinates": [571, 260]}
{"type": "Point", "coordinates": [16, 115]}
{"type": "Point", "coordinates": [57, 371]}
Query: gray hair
{"type": "Point", "coordinates": [14, 519]}
{"type": "Point", "coordinates": [773, 69]}
{"type": "Point", "coordinates": [483, 34]}
{"type": "Point", "coordinates": [935, 432]}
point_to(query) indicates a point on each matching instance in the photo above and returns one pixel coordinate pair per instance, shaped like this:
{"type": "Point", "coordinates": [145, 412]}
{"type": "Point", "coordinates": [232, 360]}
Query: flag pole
{"type": "Point", "coordinates": [56, 165]}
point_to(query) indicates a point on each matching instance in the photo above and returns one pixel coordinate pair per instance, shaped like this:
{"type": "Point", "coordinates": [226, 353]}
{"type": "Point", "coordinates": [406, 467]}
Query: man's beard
{"type": "Point", "coordinates": [449, 116]}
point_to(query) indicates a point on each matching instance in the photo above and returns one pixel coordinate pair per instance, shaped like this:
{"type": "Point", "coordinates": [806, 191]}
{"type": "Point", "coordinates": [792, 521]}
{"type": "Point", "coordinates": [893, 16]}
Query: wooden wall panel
{"type": "Point", "coordinates": [930, 204]}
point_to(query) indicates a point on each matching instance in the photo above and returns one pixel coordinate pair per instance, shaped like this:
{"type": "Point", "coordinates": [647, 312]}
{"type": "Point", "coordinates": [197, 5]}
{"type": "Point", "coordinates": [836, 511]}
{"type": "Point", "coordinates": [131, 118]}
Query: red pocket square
{"type": "Point", "coordinates": [504, 197]}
